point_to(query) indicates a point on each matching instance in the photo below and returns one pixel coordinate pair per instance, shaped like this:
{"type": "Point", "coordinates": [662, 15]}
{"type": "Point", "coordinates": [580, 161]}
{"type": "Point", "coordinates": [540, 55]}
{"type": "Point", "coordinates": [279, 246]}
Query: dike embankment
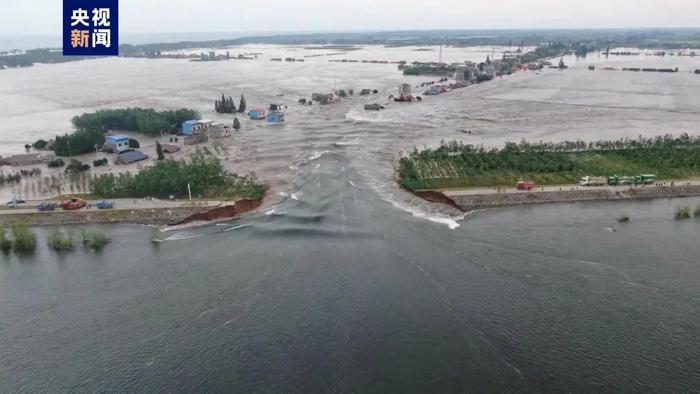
{"type": "Point", "coordinates": [154, 216]}
{"type": "Point", "coordinates": [471, 202]}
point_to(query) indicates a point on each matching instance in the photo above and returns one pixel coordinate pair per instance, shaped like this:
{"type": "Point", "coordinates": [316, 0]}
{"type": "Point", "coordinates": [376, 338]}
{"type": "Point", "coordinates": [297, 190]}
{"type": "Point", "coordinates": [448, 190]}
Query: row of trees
{"type": "Point", "coordinates": [203, 172]}
{"type": "Point", "coordinates": [564, 161]}
{"type": "Point", "coordinates": [92, 126]}
{"type": "Point", "coordinates": [80, 141]}
{"type": "Point", "coordinates": [227, 106]}
{"type": "Point", "coordinates": [145, 121]}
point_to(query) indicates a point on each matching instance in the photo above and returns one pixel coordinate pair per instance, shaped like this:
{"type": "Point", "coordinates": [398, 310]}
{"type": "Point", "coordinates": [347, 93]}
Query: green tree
{"type": "Point", "coordinates": [242, 105]}
{"type": "Point", "coordinates": [159, 151]}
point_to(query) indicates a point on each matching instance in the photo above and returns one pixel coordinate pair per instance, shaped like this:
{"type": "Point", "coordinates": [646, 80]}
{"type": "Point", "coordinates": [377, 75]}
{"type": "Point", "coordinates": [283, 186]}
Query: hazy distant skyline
{"type": "Point", "coordinates": [19, 17]}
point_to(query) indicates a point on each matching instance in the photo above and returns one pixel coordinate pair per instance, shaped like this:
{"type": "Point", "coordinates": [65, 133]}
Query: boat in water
{"type": "Point", "coordinates": [276, 114]}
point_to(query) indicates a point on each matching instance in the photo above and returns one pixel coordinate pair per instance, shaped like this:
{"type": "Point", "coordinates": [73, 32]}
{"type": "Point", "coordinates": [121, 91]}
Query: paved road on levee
{"type": "Point", "coordinates": [540, 189]}
{"type": "Point", "coordinates": [119, 204]}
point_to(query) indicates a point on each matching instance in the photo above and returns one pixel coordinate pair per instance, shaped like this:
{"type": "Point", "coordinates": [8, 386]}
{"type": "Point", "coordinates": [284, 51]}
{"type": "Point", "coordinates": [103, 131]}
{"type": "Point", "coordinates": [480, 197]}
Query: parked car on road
{"type": "Point", "coordinates": [46, 206]}
{"type": "Point", "coordinates": [13, 202]}
{"type": "Point", "coordinates": [104, 205]}
{"type": "Point", "coordinates": [73, 204]}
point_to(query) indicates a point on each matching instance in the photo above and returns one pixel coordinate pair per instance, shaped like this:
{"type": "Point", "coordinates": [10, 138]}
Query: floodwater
{"type": "Point", "coordinates": [343, 282]}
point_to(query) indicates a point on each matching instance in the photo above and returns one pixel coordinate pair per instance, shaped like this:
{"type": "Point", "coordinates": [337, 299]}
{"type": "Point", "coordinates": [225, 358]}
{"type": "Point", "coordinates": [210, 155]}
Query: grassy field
{"type": "Point", "coordinates": [461, 166]}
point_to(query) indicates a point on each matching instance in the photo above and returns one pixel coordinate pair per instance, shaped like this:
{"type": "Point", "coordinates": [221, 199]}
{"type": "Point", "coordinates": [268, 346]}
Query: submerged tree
{"type": "Point", "coordinates": [225, 105]}
{"type": "Point", "coordinates": [236, 124]}
{"type": "Point", "coordinates": [241, 105]}
{"type": "Point", "coordinates": [159, 151]}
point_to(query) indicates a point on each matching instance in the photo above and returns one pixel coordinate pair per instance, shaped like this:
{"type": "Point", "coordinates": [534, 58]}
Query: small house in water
{"type": "Point", "coordinates": [276, 117]}
{"type": "Point", "coordinates": [131, 157]}
{"type": "Point", "coordinates": [171, 148]}
{"type": "Point", "coordinates": [192, 127]}
{"type": "Point", "coordinates": [276, 114]}
{"type": "Point", "coordinates": [116, 143]}
{"type": "Point", "coordinates": [220, 131]}
{"type": "Point", "coordinates": [257, 114]}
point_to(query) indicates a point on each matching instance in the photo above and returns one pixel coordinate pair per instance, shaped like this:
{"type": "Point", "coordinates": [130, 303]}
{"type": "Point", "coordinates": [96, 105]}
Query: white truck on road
{"type": "Point", "coordinates": [593, 181]}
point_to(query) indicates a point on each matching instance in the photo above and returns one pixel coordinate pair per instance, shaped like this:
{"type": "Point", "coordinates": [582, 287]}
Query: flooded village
{"type": "Point", "coordinates": [420, 211]}
{"type": "Point", "coordinates": [119, 151]}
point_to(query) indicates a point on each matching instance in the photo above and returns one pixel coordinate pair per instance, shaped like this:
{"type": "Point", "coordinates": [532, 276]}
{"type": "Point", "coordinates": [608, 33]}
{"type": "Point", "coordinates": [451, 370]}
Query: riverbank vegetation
{"type": "Point", "coordinates": [682, 213]}
{"type": "Point", "coordinates": [456, 165]}
{"type": "Point", "coordinates": [60, 239]}
{"type": "Point", "coordinates": [94, 240]}
{"type": "Point", "coordinates": [22, 239]}
{"type": "Point", "coordinates": [203, 172]}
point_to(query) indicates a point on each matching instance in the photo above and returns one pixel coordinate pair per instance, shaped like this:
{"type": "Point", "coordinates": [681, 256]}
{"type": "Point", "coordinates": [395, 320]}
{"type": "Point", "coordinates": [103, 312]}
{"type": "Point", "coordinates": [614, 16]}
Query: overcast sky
{"type": "Point", "coordinates": [167, 16]}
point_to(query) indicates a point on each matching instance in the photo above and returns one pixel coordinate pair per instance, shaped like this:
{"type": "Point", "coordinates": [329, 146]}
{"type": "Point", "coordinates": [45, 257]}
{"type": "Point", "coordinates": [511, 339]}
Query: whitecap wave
{"type": "Point", "coordinates": [365, 116]}
{"type": "Point", "coordinates": [236, 227]}
{"type": "Point", "coordinates": [181, 237]}
{"type": "Point", "coordinates": [451, 221]}
{"type": "Point", "coordinates": [347, 143]}
{"type": "Point", "coordinates": [273, 212]}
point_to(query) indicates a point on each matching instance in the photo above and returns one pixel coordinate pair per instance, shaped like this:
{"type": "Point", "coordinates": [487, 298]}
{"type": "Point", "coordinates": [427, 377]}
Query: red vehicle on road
{"type": "Point", "coordinates": [523, 185]}
{"type": "Point", "coordinates": [73, 204]}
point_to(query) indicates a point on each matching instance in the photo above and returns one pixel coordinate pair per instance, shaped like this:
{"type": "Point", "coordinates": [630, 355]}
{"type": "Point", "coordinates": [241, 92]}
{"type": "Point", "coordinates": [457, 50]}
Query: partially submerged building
{"type": "Point", "coordinates": [220, 131]}
{"type": "Point", "coordinates": [193, 127]}
{"type": "Point", "coordinates": [131, 157]}
{"type": "Point", "coordinates": [257, 114]}
{"type": "Point", "coordinates": [116, 143]}
{"type": "Point", "coordinates": [170, 148]}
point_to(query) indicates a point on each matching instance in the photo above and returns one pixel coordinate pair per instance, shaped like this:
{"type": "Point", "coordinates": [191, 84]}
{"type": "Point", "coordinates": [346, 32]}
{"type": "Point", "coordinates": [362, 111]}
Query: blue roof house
{"type": "Point", "coordinates": [117, 143]}
{"type": "Point", "coordinates": [275, 117]}
{"type": "Point", "coordinates": [192, 127]}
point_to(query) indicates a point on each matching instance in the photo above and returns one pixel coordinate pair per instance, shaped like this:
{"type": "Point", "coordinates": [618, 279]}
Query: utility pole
{"type": "Point", "coordinates": [189, 191]}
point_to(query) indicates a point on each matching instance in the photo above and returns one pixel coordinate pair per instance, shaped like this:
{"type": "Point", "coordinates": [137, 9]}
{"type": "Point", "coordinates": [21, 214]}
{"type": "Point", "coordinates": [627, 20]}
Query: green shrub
{"type": "Point", "coordinates": [40, 144]}
{"type": "Point", "coordinates": [94, 240]}
{"type": "Point", "coordinates": [23, 238]}
{"type": "Point", "coordinates": [60, 240]}
{"type": "Point", "coordinates": [682, 213]}
{"type": "Point", "coordinates": [146, 121]}
{"type": "Point", "coordinates": [55, 163]}
{"type": "Point", "coordinates": [76, 166]}
{"type": "Point", "coordinates": [5, 243]}
{"type": "Point", "coordinates": [99, 163]}
{"type": "Point", "coordinates": [204, 173]}
{"type": "Point", "coordinates": [78, 142]}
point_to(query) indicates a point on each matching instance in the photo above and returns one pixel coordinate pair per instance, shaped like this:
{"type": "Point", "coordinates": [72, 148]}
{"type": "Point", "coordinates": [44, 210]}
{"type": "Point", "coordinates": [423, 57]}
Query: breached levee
{"type": "Point", "coordinates": [473, 202]}
{"type": "Point", "coordinates": [222, 212]}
